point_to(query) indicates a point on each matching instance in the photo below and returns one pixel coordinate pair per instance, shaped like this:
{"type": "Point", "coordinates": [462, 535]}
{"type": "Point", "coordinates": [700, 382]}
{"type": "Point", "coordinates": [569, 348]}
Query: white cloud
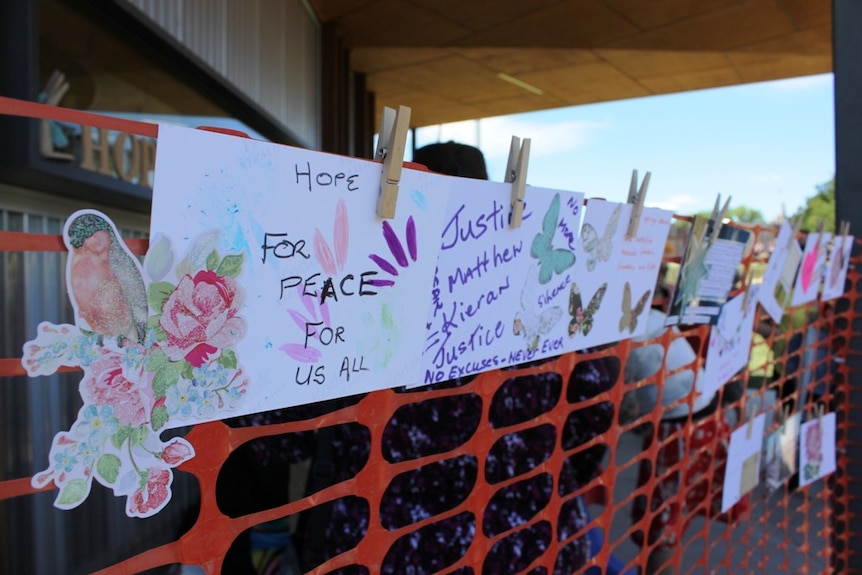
{"type": "Point", "coordinates": [546, 139]}
{"type": "Point", "coordinates": [494, 135]}
{"type": "Point", "coordinates": [678, 203]}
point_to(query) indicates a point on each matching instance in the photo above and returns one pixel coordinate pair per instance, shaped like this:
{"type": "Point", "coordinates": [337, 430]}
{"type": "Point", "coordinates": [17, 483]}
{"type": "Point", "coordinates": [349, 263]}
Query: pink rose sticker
{"type": "Point", "coordinates": [200, 317]}
{"type": "Point", "coordinates": [151, 498]}
{"type": "Point", "coordinates": [177, 451]}
{"type": "Point", "coordinates": [130, 394]}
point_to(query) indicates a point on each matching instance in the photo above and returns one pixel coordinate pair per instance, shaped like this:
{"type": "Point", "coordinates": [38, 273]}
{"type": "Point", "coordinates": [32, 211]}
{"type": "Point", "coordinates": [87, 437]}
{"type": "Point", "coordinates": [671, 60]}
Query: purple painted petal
{"type": "Point", "coordinates": [300, 353]}
{"type": "Point", "coordinates": [411, 238]}
{"type": "Point", "coordinates": [341, 234]}
{"type": "Point", "coordinates": [381, 283]}
{"type": "Point", "coordinates": [394, 245]}
{"type": "Point", "coordinates": [323, 253]}
{"type": "Point", "coordinates": [384, 265]}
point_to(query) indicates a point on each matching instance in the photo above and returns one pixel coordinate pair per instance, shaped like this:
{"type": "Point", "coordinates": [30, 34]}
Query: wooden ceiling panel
{"type": "Point", "coordinates": [656, 13]}
{"type": "Point", "coordinates": [809, 13]}
{"type": "Point", "coordinates": [813, 41]}
{"type": "Point", "coordinates": [426, 109]}
{"type": "Point", "coordinates": [386, 23]}
{"type": "Point", "coordinates": [482, 15]}
{"type": "Point", "coordinates": [586, 83]}
{"type": "Point", "coordinates": [465, 80]}
{"type": "Point", "coordinates": [642, 64]}
{"type": "Point", "coordinates": [376, 59]}
{"type": "Point", "coordinates": [526, 101]}
{"type": "Point", "coordinates": [442, 57]}
{"type": "Point", "coordinates": [759, 67]}
{"type": "Point", "coordinates": [695, 80]}
{"type": "Point", "coordinates": [329, 10]}
{"type": "Point", "coordinates": [517, 60]}
{"type": "Point", "coordinates": [571, 24]}
{"type": "Point", "coordinates": [734, 25]}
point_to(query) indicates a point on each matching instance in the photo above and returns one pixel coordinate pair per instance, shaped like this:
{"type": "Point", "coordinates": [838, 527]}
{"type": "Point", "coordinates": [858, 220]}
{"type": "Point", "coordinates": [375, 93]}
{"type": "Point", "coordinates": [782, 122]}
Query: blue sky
{"type": "Point", "coordinates": [764, 144]}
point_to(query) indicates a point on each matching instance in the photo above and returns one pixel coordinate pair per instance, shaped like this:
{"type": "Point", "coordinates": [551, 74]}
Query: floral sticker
{"type": "Point", "coordinates": [152, 353]}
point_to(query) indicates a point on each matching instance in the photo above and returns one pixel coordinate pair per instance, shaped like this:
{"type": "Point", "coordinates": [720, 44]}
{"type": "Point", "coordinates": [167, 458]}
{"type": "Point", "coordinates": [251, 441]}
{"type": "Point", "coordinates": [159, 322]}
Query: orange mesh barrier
{"type": "Point", "coordinates": [492, 475]}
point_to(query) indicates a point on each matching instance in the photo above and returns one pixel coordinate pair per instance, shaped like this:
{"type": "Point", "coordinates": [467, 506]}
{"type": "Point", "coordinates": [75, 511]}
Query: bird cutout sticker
{"type": "Point", "coordinates": [551, 260]}
{"type": "Point", "coordinates": [106, 287]}
{"type": "Point", "coordinates": [600, 249]}
{"type": "Point", "coordinates": [582, 318]}
{"type": "Point", "coordinates": [529, 322]}
{"type": "Point", "coordinates": [154, 351]}
{"type": "Point", "coordinates": [629, 319]}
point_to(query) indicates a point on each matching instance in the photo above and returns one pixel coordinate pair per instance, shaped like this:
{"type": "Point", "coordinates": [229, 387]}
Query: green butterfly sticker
{"type": "Point", "coordinates": [551, 261]}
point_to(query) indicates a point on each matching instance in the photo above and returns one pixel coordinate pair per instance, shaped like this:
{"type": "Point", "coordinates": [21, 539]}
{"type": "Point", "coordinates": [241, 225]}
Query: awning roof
{"type": "Point", "coordinates": [452, 60]}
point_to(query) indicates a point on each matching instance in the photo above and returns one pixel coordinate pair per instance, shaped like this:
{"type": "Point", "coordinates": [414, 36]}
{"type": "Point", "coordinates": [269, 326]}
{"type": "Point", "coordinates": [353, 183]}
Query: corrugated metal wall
{"type": "Point", "coordinates": [268, 49]}
{"type": "Point", "coordinates": [49, 541]}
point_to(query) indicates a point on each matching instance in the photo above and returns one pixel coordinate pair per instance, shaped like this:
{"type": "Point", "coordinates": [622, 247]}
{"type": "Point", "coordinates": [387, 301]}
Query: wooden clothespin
{"type": "Point", "coordinates": [636, 198]}
{"type": "Point", "coordinates": [796, 225]}
{"type": "Point", "coordinates": [516, 174]}
{"type": "Point", "coordinates": [821, 223]}
{"type": "Point", "coordinates": [821, 409]}
{"type": "Point", "coordinates": [747, 293]}
{"type": "Point", "coordinates": [718, 217]}
{"type": "Point", "coordinates": [390, 150]}
{"type": "Point", "coordinates": [844, 229]}
{"type": "Point", "coordinates": [785, 415]}
{"type": "Point", "coordinates": [749, 421]}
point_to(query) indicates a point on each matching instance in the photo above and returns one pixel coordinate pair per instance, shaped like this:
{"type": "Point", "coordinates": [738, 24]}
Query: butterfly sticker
{"type": "Point", "coordinates": [551, 261]}
{"type": "Point", "coordinates": [582, 319]}
{"type": "Point", "coordinates": [629, 320]}
{"type": "Point", "coordinates": [534, 324]}
{"type": "Point", "coordinates": [599, 249]}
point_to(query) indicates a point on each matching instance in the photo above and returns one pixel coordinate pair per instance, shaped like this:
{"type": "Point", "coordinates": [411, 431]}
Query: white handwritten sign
{"type": "Point", "coordinates": [326, 285]}
{"type": "Point", "coordinates": [615, 276]}
{"type": "Point", "coordinates": [742, 473]}
{"type": "Point", "coordinates": [777, 286]}
{"type": "Point", "coordinates": [811, 269]}
{"type": "Point", "coordinates": [836, 274]}
{"type": "Point", "coordinates": [729, 343]}
{"type": "Point", "coordinates": [499, 294]}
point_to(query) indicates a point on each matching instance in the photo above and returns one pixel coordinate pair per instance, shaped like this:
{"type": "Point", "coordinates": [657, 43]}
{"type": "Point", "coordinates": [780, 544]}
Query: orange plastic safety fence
{"type": "Point", "coordinates": [494, 474]}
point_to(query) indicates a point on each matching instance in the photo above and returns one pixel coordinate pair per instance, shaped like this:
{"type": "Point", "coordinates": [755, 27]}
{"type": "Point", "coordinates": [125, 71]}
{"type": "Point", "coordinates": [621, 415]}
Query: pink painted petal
{"type": "Point", "coordinates": [307, 301]}
{"type": "Point", "coordinates": [300, 353]}
{"type": "Point", "coordinates": [411, 238]}
{"type": "Point", "coordinates": [341, 233]}
{"type": "Point", "coordinates": [298, 318]}
{"type": "Point", "coordinates": [324, 314]}
{"type": "Point", "coordinates": [323, 253]}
